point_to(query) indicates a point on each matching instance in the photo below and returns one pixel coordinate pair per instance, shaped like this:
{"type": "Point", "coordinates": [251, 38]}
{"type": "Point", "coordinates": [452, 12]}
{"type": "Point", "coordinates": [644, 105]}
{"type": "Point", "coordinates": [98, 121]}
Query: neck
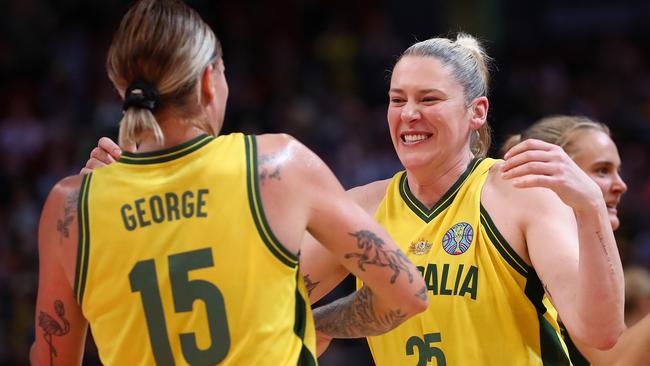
{"type": "Point", "coordinates": [175, 132]}
{"type": "Point", "coordinates": [428, 184]}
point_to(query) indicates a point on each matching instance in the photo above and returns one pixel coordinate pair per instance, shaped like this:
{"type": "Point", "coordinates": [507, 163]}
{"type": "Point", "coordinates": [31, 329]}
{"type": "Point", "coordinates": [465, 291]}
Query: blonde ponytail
{"type": "Point", "coordinates": [166, 43]}
{"type": "Point", "coordinates": [136, 123]}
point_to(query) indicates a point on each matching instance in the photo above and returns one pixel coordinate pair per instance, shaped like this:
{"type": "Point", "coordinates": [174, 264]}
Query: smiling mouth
{"type": "Point", "coordinates": [415, 138]}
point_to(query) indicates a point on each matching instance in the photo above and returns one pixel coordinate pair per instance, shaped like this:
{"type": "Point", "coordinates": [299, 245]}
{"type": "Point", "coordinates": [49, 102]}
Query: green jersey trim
{"type": "Point", "coordinates": [420, 209]}
{"type": "Point", "coordinates": [550, 345]}
{"type": "Point", "coordinates": [83, 244]}
{"type": "Point", "coordinates": [502, 245]}
{"type": "Point", "coordinates": [168, 154]}
{"type": "Point", "coordinates": [257, 210]}
{"type": "Point", "coordinates": [306, 357]}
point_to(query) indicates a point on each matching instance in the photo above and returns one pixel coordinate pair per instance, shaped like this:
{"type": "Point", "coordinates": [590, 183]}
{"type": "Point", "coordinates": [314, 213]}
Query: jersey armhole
{"type": "Point", "coordinates": [503, 247]}
{"type": "Point", "coordinates": [83, 243]}
{"type": "Point", "coordinates": [257, 210]}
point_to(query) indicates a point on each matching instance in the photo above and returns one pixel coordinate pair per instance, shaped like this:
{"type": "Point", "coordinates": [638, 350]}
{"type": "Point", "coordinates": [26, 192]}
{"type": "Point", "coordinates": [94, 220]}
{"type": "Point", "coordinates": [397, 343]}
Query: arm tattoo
{"type": "Point", "coordinates": [265, 166]}
{"type": "Point", "coordinates": [606, 252]}
{"type": "Point", "coordinates": [52, 327]}
{"type": "Point", "coordinates": [309, 284]}
{"type": "Point", "coordinates": [374, 253]}
{"type": "Point", "coordinates": [354, 316]}
{"type": "Point", "coordinates": [69, 210]}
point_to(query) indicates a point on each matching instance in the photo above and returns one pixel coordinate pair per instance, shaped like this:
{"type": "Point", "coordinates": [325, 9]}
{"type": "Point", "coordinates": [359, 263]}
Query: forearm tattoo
{"type": "Point", "coordinates": [354, 316]}
{"type": "Point", "coordinates": [310, 284]}
{"type": "Point", "coordinates": [268, 166]}
{"type": "Point", "coordinates": [603, 245]}
{"type": "Point", "coordinates": [52, 327]}
{"type": "Point", "coordinates": [69, 212]}
{"type": "Point", "coordinates": [374, 253]}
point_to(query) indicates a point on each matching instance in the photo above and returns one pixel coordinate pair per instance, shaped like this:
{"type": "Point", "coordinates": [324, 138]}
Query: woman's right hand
{"type": "Point", "coordinates": [535, 163]}
{"type": "Point", "coordinates": [105, 153]}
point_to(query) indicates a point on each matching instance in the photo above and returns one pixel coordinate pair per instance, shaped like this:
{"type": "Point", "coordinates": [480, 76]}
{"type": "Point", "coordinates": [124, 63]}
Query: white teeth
{"type": "Point", "coordinates": [415, 138]}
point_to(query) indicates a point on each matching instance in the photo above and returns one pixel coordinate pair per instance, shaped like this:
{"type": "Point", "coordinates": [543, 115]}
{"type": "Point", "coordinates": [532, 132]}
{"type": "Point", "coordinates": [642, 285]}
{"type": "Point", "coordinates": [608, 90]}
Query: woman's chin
{"type": "Point", "coordinates": [415, 159]}
{"type": "Point", "coordinates": [414, 163]}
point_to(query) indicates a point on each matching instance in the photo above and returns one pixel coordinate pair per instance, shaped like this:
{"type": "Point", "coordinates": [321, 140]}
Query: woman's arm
{"type": "Point", "coordinates": [585, 281]}
{"type": "Point", "coordinates": [60, 331]}
{"type": "Point", "coordinates": [321, 270]}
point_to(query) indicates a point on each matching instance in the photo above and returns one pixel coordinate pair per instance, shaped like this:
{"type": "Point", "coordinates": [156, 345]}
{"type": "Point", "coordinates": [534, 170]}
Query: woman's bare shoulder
{"type": "Point", "coordinates": [503, 193]}
{"type": "Point", "coordinates": [369, 196]}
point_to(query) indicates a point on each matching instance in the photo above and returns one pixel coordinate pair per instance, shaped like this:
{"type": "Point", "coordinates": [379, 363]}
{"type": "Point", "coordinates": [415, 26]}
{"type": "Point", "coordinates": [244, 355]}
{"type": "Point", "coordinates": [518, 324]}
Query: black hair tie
{"type": "Point", "coordinates": [141, 94]}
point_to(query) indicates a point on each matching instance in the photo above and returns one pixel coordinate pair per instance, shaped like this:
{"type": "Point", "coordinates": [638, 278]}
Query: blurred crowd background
{"type": "Point", "coordinates": [318, 70]}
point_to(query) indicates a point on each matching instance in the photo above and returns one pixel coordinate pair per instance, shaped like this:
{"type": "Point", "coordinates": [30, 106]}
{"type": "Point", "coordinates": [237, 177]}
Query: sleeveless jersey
{"type": "Point", "coordinates": [577, 359]}
{"type": "Point", "coordinates": [485, 302]}
{"type": "Point", "coordinates": [177, 264]}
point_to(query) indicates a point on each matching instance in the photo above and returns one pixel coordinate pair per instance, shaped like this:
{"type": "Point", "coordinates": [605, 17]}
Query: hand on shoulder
{"type": "Point", "coordinates": [535, 163]}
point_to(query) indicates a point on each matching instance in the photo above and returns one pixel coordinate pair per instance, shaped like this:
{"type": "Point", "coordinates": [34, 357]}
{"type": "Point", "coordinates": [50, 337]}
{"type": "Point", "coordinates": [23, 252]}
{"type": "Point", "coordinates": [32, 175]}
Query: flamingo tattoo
{"type": "Point", "coordinates": [52, 327]}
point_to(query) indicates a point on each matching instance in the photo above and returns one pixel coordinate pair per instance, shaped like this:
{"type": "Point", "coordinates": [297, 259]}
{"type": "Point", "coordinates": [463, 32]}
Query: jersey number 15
{"type": "Point", "coordinates": [184, 291]}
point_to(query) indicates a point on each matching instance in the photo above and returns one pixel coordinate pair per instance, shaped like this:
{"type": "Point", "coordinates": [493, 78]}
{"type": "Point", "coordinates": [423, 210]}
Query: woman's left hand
{"type": "Point", "coordinates": [535, 163]}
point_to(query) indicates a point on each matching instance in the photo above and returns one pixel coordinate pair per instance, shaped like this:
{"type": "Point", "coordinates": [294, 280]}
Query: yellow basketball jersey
{"type": "Point", "coordinates": [577, 359]}
{"type": "Point", "coordinates": [177, 263]}
{"type": "Point", "coordinates": [485, 302]}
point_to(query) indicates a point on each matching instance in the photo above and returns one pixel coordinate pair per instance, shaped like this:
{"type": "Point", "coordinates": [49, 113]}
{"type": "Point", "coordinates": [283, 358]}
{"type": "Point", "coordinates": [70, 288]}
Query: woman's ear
{"type": "Point", "coordinates": [208, 89]}
{"type": "Point", "coordinates": [479, 110]}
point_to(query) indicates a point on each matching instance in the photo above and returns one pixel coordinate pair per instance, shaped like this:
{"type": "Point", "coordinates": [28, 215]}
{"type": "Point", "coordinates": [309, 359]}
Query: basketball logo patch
{"type": "Point", "coordinates": [458, 239]}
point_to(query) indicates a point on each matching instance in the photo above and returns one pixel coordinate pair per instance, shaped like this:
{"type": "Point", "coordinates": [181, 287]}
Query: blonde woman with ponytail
{"type": "Point", "coordinates": [589, 144]}
{"type": "Point", "coordinates": [186, 251]}
{"type": "Point", "coordinates": [488, 236]}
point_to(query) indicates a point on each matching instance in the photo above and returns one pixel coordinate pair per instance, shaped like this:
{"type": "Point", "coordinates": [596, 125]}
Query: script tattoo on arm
{"type": "Point", "coordinates": [354, 316]}
{"type": "Point", "coordinates": [374, 253]}
{"type": "Point", "coordinates": [603, 245]}
{"type": "Point", "coordinates": [69, 211]}
{"type": "Point", "coordinates": [268, 166]}
{"type": "Point", "coordinates": [309, 284]}
{"type": "Point", "coordinates": [51, 326]}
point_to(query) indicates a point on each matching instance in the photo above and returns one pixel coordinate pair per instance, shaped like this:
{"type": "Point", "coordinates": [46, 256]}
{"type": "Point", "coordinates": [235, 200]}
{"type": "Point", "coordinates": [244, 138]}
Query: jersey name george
{"type": "Point", "coordinates": [177, 263]}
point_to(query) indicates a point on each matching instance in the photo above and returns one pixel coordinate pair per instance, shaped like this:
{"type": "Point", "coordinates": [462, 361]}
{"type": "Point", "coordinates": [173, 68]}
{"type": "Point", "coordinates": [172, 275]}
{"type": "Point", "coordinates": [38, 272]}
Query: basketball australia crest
{"type": "Point", "coordinates": [420, 247]}
{"type": "Point", "coordinates": [458, 238]}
